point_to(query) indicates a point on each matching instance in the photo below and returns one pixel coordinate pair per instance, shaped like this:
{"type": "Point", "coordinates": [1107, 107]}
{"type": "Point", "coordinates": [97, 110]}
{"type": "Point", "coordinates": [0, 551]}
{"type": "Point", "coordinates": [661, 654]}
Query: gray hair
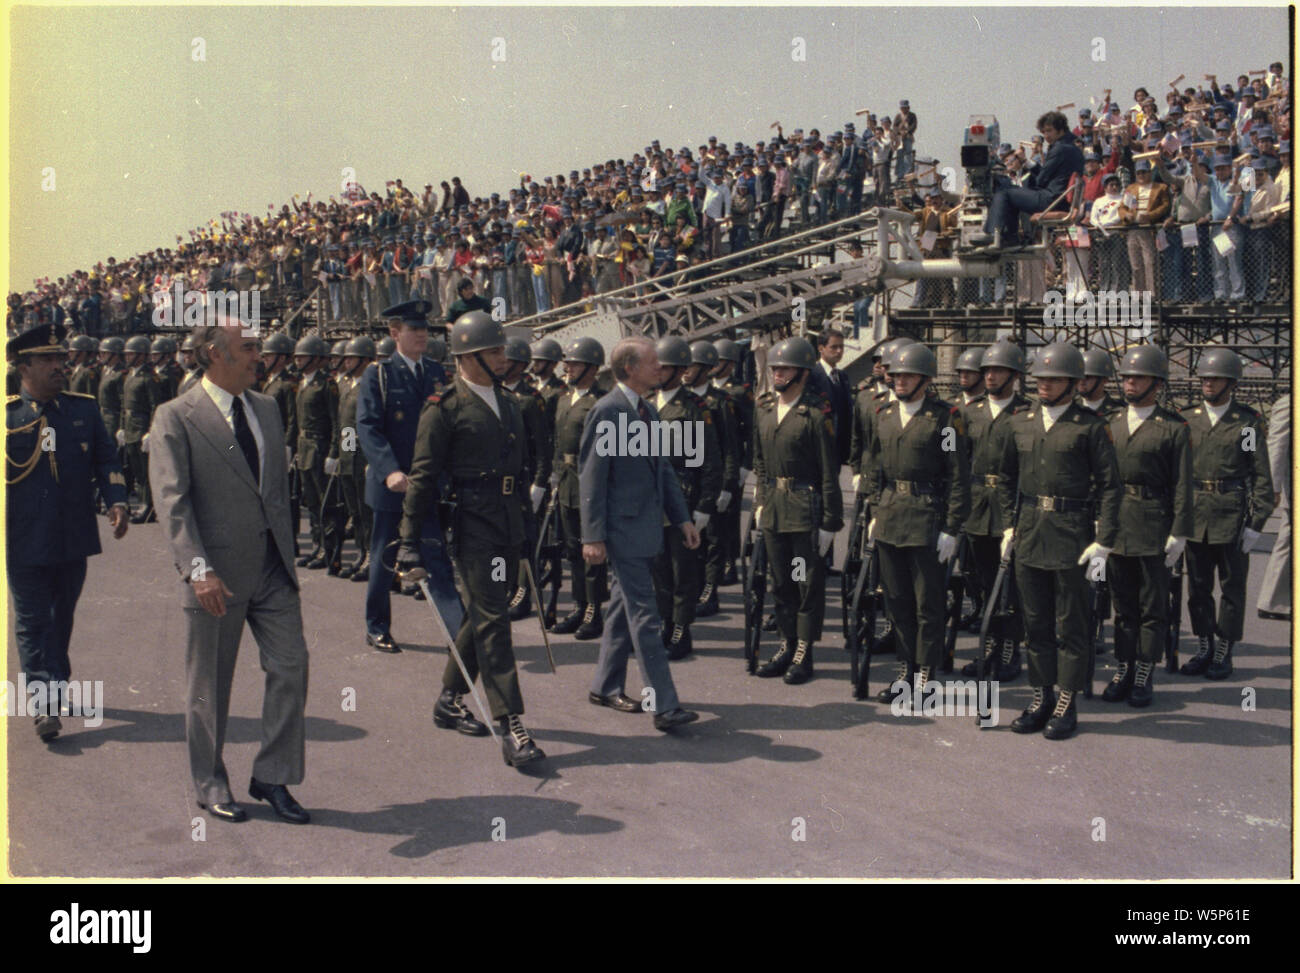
{"type": "Point", "coordinates": [627, 355]}
{"type": "Point", "coordinates": [209, 336]}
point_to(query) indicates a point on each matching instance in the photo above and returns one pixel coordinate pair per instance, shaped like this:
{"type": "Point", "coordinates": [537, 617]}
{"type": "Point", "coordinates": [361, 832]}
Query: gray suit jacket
{"type": "Point", "coordinates": [206, 497]}
{"type": "Point", "coordinates": [624, 498]}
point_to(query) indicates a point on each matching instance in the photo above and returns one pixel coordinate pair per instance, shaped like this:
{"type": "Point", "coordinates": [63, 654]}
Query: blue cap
{"type": "Point", "coordinates": [1085, 112]}
{"type": "Point", "coordinates": [1222, 160]}
{"type": "Point", "coordinates": [903, 104]}
{"type": "Point", "coordinates": [1091, 157]}
{"type": "Point", "coordinates": [1263, 132]}
{"type": "Point", "coordinates": [1258, 163]}
{"type": "Point", "coordinates": [1223, 125]}
{"type": "Point", "coordinates": [1143, 165]}
{"type": "Point", "coordinates": [1284, 146]}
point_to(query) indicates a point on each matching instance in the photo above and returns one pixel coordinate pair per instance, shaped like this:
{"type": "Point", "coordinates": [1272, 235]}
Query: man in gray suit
{"type": "Point", "coordinates": [1275, 590]}
{"type": "Point", "coordinates": [624, 499]}
{"type": "Point", "coordinates": [219, 471]}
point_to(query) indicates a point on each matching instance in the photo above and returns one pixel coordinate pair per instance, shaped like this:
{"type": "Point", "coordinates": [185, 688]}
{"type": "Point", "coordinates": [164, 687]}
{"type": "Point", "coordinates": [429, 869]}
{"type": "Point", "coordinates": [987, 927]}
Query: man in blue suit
{"type": "Point", "coordinates": [1045, 185]}
{"type": "Point", "coordinates": [625, 499]}
{"type": "Point", "coordinates": [388, 412]}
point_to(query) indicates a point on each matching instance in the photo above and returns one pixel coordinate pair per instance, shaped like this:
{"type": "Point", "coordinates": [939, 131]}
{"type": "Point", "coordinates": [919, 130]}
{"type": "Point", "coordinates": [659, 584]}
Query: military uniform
{"type": "Point", "coordinates": [712, 550]}
{"type": "Point", "coordinates": [742, 402]}
{"type": "Point", "coordinates": [676, 569]}
{"type": "Point", "coordinates": [1232, 488]}
{"type": "Point", "coordinates": [56, 454]}
{"type": "Point", "coordinates": [796, 470]}
{"type": "Point", "coordinates": [1155, 469]}
{"type": "Point", "coordinates": [317, 411]}
{"type": "Point", "coordinates": [589, 582]}
{"type": "Point", "coordinates": [919, 486]}
{"type": "Point", "coordinates": [461, 438]}
{"type": "Point", "coordinates": [190, 376]}
{"type": "Point", "coordinates": [1108, 408]}
{"type": "Point", "coordinates": [85, 380]}
{"type": "Point", "coordinates": [352, 469]}
{"type": "Point", "coordinates": [539, 447]}
{"type": "Point", "coordinates": [141, 394]}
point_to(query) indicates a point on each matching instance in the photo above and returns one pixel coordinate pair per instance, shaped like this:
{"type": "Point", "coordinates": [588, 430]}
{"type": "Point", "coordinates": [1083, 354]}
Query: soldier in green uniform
{"type": "Point", "coordinates": [711, 554]}
{"type": "Point", "coordinates": [797, 503]}
{"type": "Point", "coordinates": [1154, 452]}
{"type": "Point", "coordinates": [969, 375]}
{"type": "Point", "coordinates": [384, 350]}
{"type": "Point", "coordinates": [357, 356]}
{"type": "Point", "coordinates": [85, 369]}
{"type": "Point", "coordinates": [111, 376]}
{"type": "Point", "coordinates": [162, 356]}
{"type": "Point", "coordinates": [335, 365]}
{"type": "Point", "coordinates": [1098, 369]}
{"type": "Point", "coordinates": [676, 570]}
{"type": "Point", "coordinates": [1061, 459]}
{"type": "Point", "coordinates": [542, 376]}
{"type": "Point", "coordinates": [141, 394]}
{"type": "Point", "coordinates": [473, 432]}
{"type": "Point", "coordinates": [192, 371]}
{"type": "Point", "coordinates": [278, 382]}
{"type": "Point", "coordinates": [590, 584]}
{"type": "Point", "coordinates": [546, 356]}
{"type": "Point", "coordinates": [1233, 497]}
{"type": "Point", "coordinates": [538, 451]}
{"type": "Point", "coordinates": [988, 425]}
{"type": "Point", "coordinates": [918, 483]}
{"type": "Point", "coordinates": [725, 377]}
{"type": "Point", "coordinates": [317, 411]}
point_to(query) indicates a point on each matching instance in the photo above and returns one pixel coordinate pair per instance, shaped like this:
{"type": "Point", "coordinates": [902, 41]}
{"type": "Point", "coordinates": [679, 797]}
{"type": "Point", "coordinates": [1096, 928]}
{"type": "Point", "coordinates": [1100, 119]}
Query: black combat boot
{"type": "Point", "coordinates": [593, 624]}
{"type": "Point", "coordinates": [517, 746]}
{"type": "Point", "coordinates": [769, 623]}
{"type": "Point", "coordinates": [679, 643]}
{"type": "Point", "coordinates": [1197, 664]}
{"type": "Point", "coordinates": [1142, 685]}
{"type": "Point", "coordinates": [521, 605]}
{"type": "Point", "coordinates": [778, 664]}
{"type": "Point", "coordinates": [1121, 684]}
{"type": "Point", "coordinates": [708, 603]}
{"type": "Point", "coordinates": [729, 575]}
{"type": "Point", "coordinates": [451, 713]}
{"type": "Point", "coordinates": [1009, 664]}
{"type": "Point", "coordinates": [1037, 713]}
{"type": "Point", "coordinates": [1065, 718]}
{"type": "Point", "coordinates": [904, 675]}
{"type": "Point", "coordinates": [991, 656]}
{"type": "Point", "coordinates": [362, 571]}
{"type": "Point", "coordinates": [801, 664]}
{"type": "Point", "coordinates": [570, 622]}
{"type": "Point", "coordinates": [1221, 667]}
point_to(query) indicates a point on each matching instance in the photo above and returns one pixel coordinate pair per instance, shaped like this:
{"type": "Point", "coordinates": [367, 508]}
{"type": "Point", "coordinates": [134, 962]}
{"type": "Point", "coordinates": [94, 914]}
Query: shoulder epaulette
{"type": "Point", "coordinates": [11, 399]}
{"type": "Point", "coordinates": [77, 395]}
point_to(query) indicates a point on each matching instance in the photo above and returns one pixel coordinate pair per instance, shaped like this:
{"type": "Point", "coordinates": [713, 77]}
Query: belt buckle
{"type": "Point", "coordinates": [785, 482]}
{"type": "Point", "coordinates": [990, 479]}
{"type": "Point", "coordinates": [902, 486]}
{"type": "Point", "coordinates": [507, 485]}
{"type": "Point", "coordinates": [571, 459]}
{"type": "Point", "coordinates": [1047, 503]}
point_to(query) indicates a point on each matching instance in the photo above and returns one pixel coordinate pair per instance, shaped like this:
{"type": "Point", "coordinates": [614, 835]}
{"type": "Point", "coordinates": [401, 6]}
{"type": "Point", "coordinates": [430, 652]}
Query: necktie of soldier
{"type": "Point", "coordinates": [244, 436]}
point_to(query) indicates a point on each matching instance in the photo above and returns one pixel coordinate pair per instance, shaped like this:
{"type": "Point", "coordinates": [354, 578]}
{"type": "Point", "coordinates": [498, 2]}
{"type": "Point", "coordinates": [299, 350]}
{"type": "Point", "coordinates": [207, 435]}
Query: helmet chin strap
{"type": "Point", "coordinates": [586, 367]}
{"type": "Point", "coordinates": [676, 370]}
{"type": "Point", "coordinates": [1000, 391]}
{"type": "Point", "coordinates": [1135, 399]}
{"type": "Point", "coordinates": [792, 381]}
{"type": "Point", "coordinates": [496, 379]}
{"type": "Point", "coordinates": [1069, 391]}
{"type": "Point", "coordinates": [911, 396]}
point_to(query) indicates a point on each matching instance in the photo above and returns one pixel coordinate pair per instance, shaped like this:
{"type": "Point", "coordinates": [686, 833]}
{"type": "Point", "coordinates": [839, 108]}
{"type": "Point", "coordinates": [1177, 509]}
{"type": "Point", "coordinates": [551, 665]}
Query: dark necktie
{"type": "Point", "coordinates": [244, 436]}
{"type": "Point", "coordinates": [642, 410]}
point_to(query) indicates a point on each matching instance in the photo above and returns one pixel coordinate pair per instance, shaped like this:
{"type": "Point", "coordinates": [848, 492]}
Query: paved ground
{"type": "Point", "coordinates": [1193, 787]}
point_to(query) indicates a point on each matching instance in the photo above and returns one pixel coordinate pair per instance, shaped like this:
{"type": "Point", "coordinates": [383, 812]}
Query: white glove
{"type": "Point", "coordinates": [857, 482]}
{"type": "Point", "coordinates": [1094, 555]}
{"type": "Point", "coordinates": [1249, 538]}
{"type": "Point", "coordinates": [946, 547]}
{"type": "Point", "coordinates": [744, 477]}
{"type": "Point", "coordinates": [758, 519]}
{"type": "Point", "coordinates": [701, 520]}
{"type": "Point", "coordinates": [1174, 550]}
{"type": "Point", "coordinates": [724, 501]}
{"type": "Point", "coordinates": [144, 448]}
{"type": "Point", "coordinates": [288, 456]}
{"type": "Point", "coordinates": [1008, 536]}
{"type": "Point", "coordinates": [825, 538]}
{"type": "Point", "coordinates": [871, 529]}
{"type": "Point", "coordinates": [121, 437]}
{"type": "Point", "coordinates": [331, 466]}
{"type": "Point", "coordinates": [536, 494]}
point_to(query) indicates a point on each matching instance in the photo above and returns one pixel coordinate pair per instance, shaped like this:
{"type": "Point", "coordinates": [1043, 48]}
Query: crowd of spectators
{"type": "Point", "coordinates": [1217, 158]}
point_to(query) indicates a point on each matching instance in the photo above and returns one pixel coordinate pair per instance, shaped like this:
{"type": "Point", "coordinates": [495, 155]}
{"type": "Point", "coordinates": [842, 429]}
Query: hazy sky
{"type": "Point", "coordinates": [146, 142]}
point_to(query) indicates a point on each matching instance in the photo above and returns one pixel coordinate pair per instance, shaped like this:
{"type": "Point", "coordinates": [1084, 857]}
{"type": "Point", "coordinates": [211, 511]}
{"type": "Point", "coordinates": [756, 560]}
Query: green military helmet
{"type": "Point", "coordinates": [969, 360]}
{"type": "Point", "coordinates": [386, 347]}
{"type": "Point", "coordinates": [476, 331]}
{"type": "Point", "coordinates": [361, 347]}
{"type": "Point", "coordinates": [1219, 363]}
{"type": "Point", "coordinates": [892, 348]}
{"type": "Point", "coordinates": [277, 344]}
{"type": "Point", "coordinates": [339, 349]}
{"type": "Point", "coordinates": [188, 343]}
{"type": "Point", "coordinates": [311, 345]}
{"type": "Point", "coordinates": [674, 351]}
{"type": "Point", "coordinates": [1145, 360]}
{"type": "Point", "coordinates": [703, 353]}
{"type": "Point", "coordinates": [793, 353]}
{"type": "Point", "coordinates": [1058, 360]}
{"type": "Point", "coordinates": [83, 342]}
{"type": "Point", "coordinates": [1097, 363]}
{"type": "Point", "coordinates": [113, 345]}
{"type": "Point", "coordinates": [1003, 354]}
{"type": "Point", "coordinates": [915, 359]}
{"type": "Point", "coordinates": [137, 344]}
{"type": "Point", "coordinates": [587, 351]}
{"type": "Point", "coordinates": [728, 350]}
{"type": "Point", "coordinates": [517, 350]}
{"type": "Point", "coordinates": [435, 348]}
{"type": "Point", "coordinates": [548, 349]}
{"type": "Point", "coordinates": [163, 346]}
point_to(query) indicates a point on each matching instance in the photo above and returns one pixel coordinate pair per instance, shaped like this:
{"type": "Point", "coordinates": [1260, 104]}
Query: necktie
{"type": "Point", "coordinates": [418, 375]}
{"type": "Point", "coordinates": [642, 410]}
{"type": "Point", "coordinates": [244, 436]}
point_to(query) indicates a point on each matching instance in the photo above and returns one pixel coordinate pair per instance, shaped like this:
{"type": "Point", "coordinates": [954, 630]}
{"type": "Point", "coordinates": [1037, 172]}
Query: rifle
{"type": "Point", "coordinates": [548, 556]}
{"type": "Point", "coordinates": [955, 587]}
{"type": "Point", "coordinates": [995, 603]}
{"type": "Point", "coordinates": [755, 577]}
{"type": "Point", "coordinates": [1175, 616]}
{"type": "Point", "coordinates": [852, 557]}
{"type": "Point", "coordinates": [862, 619]}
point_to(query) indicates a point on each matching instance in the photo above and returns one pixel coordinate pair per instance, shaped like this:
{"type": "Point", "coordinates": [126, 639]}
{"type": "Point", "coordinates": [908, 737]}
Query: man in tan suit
{"type": "Point", "coordinates": [220, 480]}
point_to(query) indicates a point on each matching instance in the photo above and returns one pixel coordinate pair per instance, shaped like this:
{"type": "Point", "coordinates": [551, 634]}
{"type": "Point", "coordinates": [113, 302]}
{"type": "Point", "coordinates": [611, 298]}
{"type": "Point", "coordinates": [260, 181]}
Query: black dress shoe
{"type": "Point", "coordinates": [619, 701]}
{"type": "Point", "coordinates": [593, 624]}
{"type": "Point", "coordinates": [306, 559]}
{"type": "Point", "coordinates": [517, 746]}
{"type": "Point", "coordinates": [345, 571]}
{"type": "Point", "coordinates": [570, 622]}
{"type": "Point", "coordinates": [281, 801]}
{"type": "Point", "coordinates": [451, 713]}
{"type": "Point", "coordinates": [226, 811]}
{"type": "Point", "coordinates": [48, 727]}
{"type": "Point", "coordinates": [384, 643]}
{"type": "Point", "coordinates": [316, 563]}
{"type": "Point", "coordinates": [334, 568]}
{"type": "Point", "coordinates": [1037, 713]}
{"type": "Point", "coordinates": [677, 717]}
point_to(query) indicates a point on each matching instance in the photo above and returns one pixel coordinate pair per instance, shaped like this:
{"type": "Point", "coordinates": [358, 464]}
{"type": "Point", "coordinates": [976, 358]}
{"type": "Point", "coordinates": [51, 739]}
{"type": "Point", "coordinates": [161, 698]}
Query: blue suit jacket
{"type": "Point", "coordinates": [386, 425]}
{"type": "Point", "coordinates": [624, 498]}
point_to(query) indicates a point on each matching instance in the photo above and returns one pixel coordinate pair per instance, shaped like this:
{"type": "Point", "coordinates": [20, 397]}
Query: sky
{"type": "Point", "coordinates": [121, 137]}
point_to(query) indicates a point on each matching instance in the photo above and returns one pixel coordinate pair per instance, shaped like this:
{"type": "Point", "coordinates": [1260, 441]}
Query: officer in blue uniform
{"type": "Point", "coordinates": [388, 413]}
{"type": "Point", "coordinates": [57, 452]}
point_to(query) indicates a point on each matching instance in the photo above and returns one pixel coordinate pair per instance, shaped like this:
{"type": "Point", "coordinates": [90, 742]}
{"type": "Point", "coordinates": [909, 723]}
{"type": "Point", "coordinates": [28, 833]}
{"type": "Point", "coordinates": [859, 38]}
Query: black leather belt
{"type": "Point", "coordinates": [1057, 504]}
{"type": "Point", "coordinates": [486, 483]}
{"type": "Point", "coordinates": [920, 489]}
{"type": "Point", "coordinates": [1220, 486]}
{"type": "Point", "coordinates": [790, 483]}
{"type": "Point", "coordinates": [1143, 492]}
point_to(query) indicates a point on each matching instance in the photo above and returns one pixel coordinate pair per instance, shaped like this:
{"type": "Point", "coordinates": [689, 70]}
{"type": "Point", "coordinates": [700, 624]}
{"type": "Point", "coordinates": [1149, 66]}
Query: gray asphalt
{"type": "Point", "coordinates": [774, 780]}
